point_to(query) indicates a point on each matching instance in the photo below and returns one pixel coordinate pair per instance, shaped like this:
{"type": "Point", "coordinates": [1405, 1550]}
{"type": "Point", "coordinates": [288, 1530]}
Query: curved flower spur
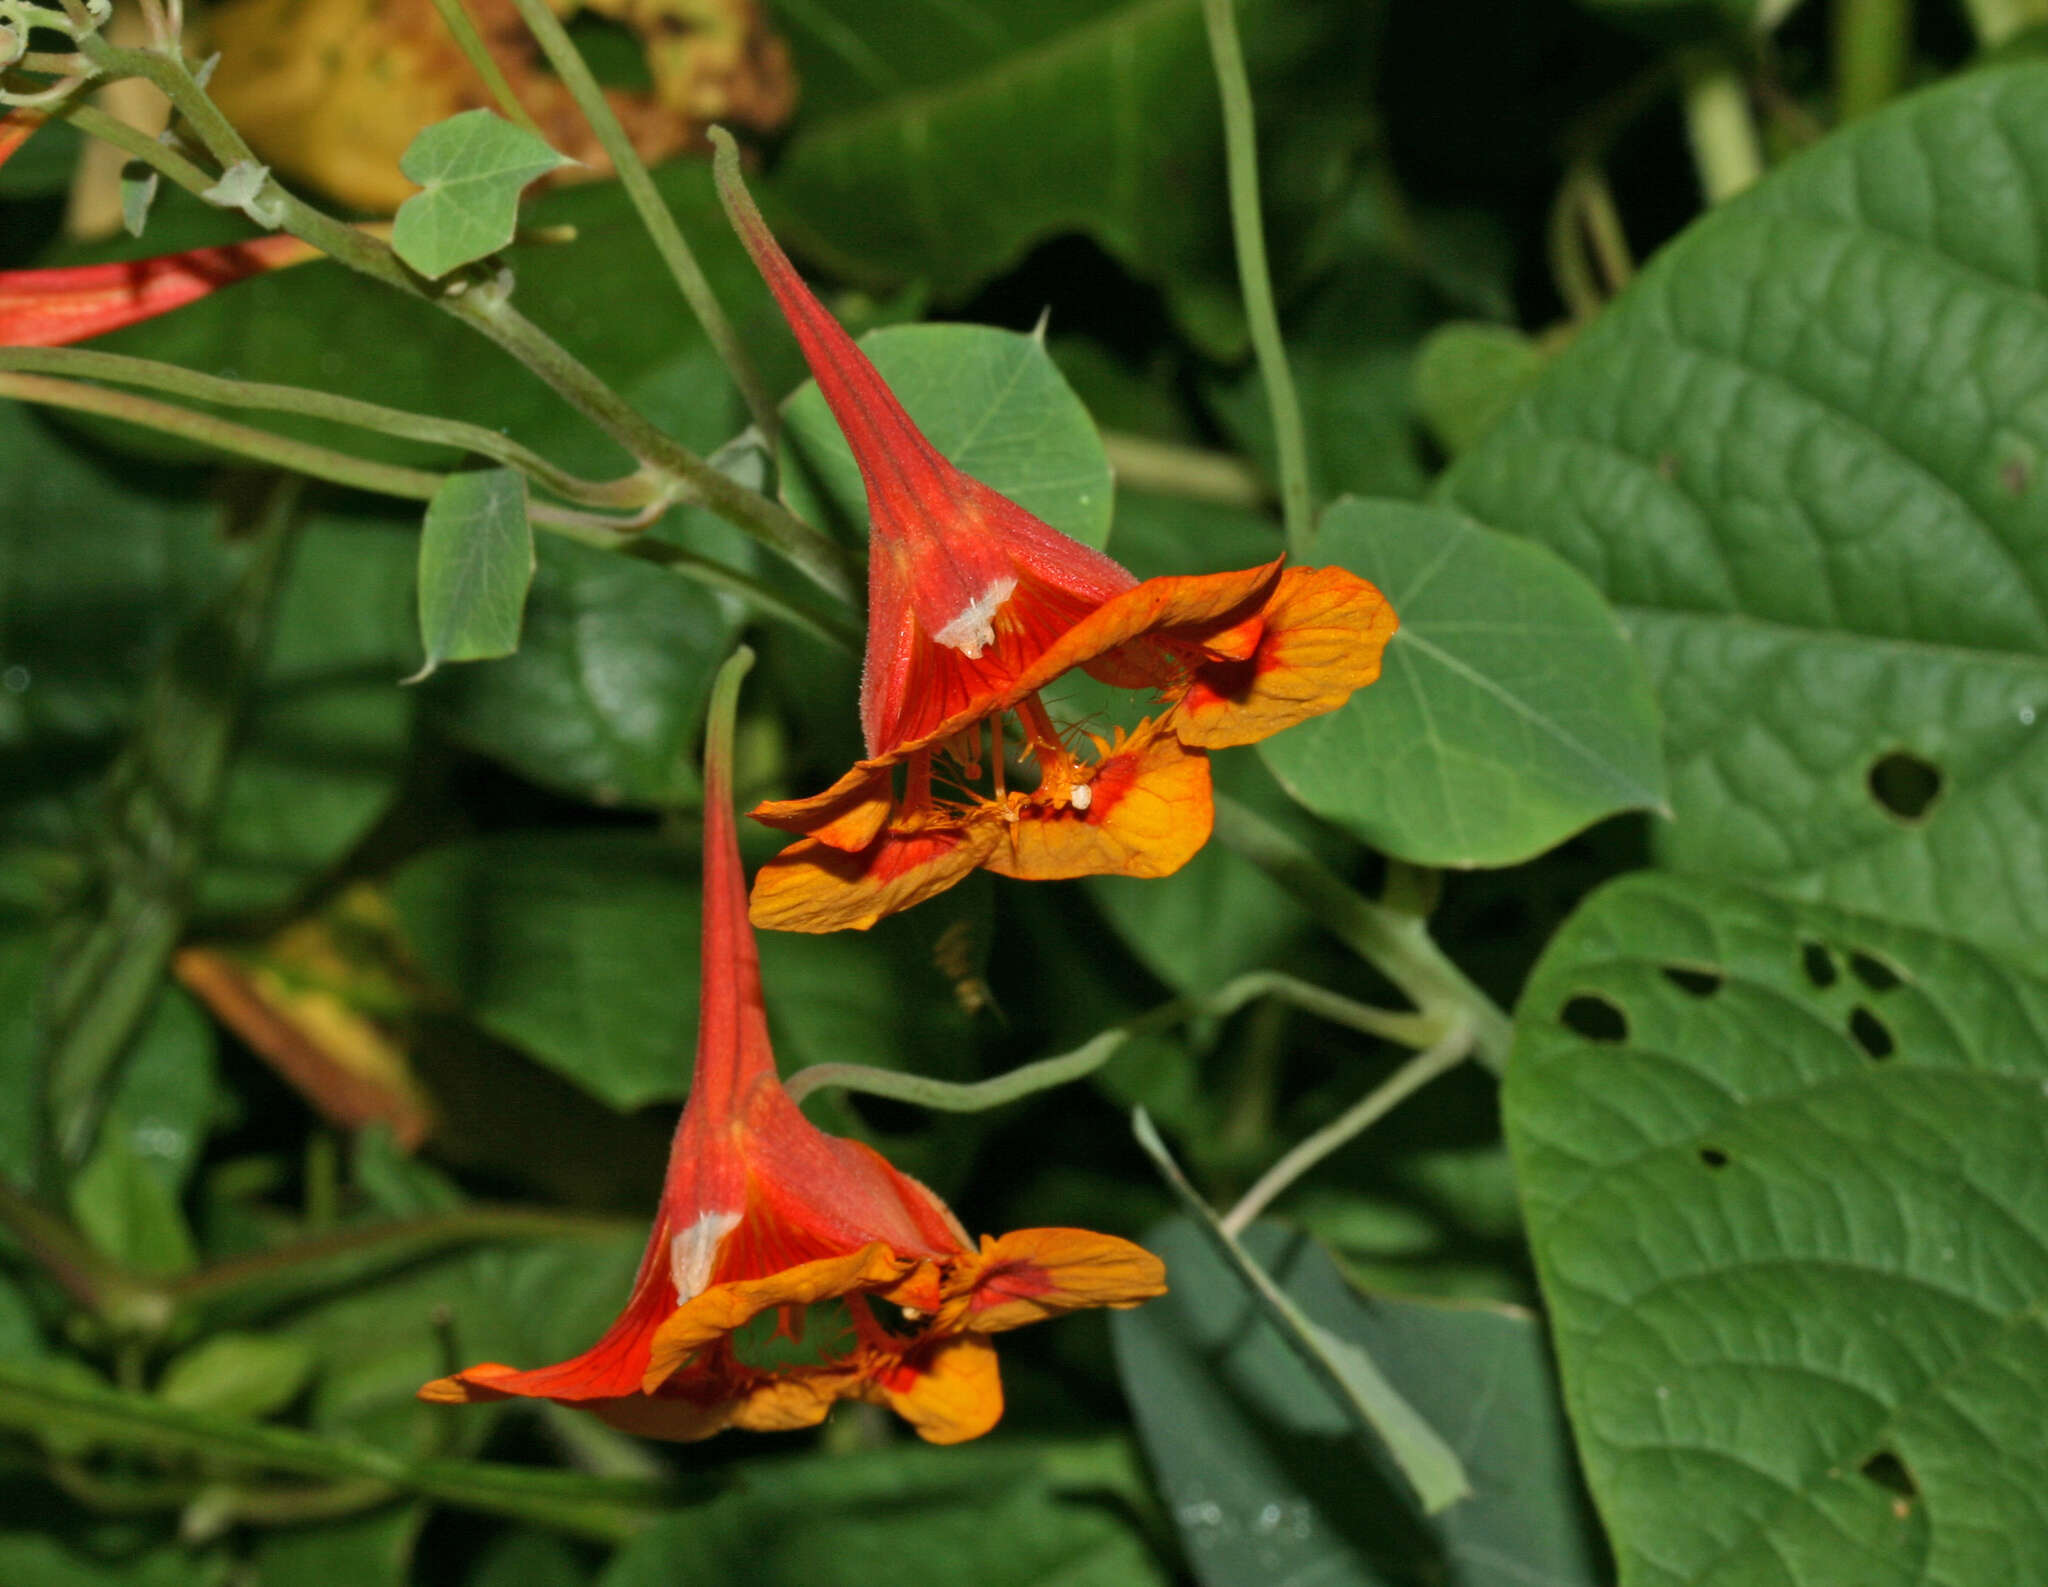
{"type": "Point", "coordinates": [789, 1269]}
{"type": "Point", "coordinates": [975, 606]}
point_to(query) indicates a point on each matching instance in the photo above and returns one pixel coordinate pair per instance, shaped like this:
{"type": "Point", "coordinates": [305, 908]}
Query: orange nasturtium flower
{"type": "Point", "coordinates": [974, 607]}
{"type": "Point", "coordinates": [789, 1269]}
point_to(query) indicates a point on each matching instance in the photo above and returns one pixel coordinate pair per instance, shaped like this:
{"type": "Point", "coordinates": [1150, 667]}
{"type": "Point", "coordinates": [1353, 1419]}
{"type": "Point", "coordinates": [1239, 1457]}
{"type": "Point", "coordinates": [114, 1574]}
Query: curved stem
{"type": "Point", "coordinates": [633, 490]}
{"type": "Point", "coordinates": [1403, 1083]}
{"type": "Point", "coordinates": [1725, 146]}
{"type": "Point", "coordinates": [1399, 946]}
{"type": "Point", "coordinates": [973, 1096]}
{"type": "Point", "coordinates": [661, 226]}
{"type": "Point", "coordinates": [1254, 279]}
{"type": "Point", "coordinates": [462, 28]}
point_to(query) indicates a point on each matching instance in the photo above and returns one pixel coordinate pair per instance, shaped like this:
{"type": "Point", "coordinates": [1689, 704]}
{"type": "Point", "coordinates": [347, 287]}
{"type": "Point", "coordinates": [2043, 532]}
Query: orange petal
{"type": "Point", "coordinates": [812, 886]}
{"type": "Point", "coordinates": [725, 1307]}
{"type": "Point", "coordinates": [1325, 629]}
{"type": "Point", "coordinates": [783, 1404]}
{"type": "Point", "coordinates": [1149, 813]}
{"type": "Point", "coordinates": [949, 1391]}
{"type": "Point", "coordinates": [15, 128]}
{"type": "Point", "coordinates": [849, 815]}
{"type": "Point", "coordinates": [1031, 1274]}
{"type": "Point", "coordinates": [48, 308]}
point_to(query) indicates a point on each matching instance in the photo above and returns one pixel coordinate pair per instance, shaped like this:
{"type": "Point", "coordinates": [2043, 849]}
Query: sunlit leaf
{"type": "Point", "coordinates": [471, 169]}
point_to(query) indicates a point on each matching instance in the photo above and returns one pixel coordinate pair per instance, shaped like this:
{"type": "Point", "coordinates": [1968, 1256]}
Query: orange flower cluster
{"type": "Point", "coordinates": [974, 607]}
{"type": "Point", "coordinates": [789, 1269]}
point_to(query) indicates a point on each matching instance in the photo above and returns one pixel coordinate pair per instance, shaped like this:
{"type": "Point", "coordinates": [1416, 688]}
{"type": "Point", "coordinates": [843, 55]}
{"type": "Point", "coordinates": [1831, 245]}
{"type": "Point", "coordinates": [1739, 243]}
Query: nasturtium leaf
{"type": "Point", "coordinates": [606, 693]}
{"type": "Point", "coordinates": [993, 402]}
{"type": "Point", "coordinates": [940, 146]}
{"type": "Point", "coordinates": [1804, 456]}
{"type": "Point", "coordinates": [371, 1549]}
{"type": "Point", "coordinates": [476, 561]}
{"type": "Point", "coordinates": [471, 169]}
{"type": "Point", "coordinates": [1510, 712]}
{"type": "Point", "coordinates": [165, 1094]}
{"type": "Point", "coordinates": [997, 1514]}
{"type": "Point", "coordinates": [1251, 1451]}
{"type": "Point", "coordinates": [127, 1211]}
{"type": "Point", "coordinates": [1781, 1165]}
{"type": "Point", "coordinates": [582, 949]}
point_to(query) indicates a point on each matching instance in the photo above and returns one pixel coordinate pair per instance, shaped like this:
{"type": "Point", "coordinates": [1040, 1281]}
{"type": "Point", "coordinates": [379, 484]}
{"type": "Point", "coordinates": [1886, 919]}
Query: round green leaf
{"type": "Point", "coordinates": [1804, 456]}
{"type": "Point", "coordinates": [1510, 712]}
{"type": "Point", "coordinates": [994, 404]}
{"type": "Point", "coordinates": [1782, 1171]}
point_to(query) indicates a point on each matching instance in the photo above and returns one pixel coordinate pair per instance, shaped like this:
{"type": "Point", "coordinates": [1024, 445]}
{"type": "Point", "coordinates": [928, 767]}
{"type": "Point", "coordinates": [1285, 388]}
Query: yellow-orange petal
{"type": "Point", "coordinates": [849, 815]}
{"type": "Point", "coordinates": [725, 1307]}
{"type": "Point", "coordinates": [471, 1386]}
{"type": "Point", "coordinates": [812, 886]}
{"type": "Point", "coordinates": [784, 1404]}
{"type": "Point", "coordinates": [1031, 1274]}
{"type": "Point", "coordinates": [1325, 630]}
{"type": "Point", "coordinates": [949, 1390]}
{"type": "Point", "coordinates": [1149, 812]}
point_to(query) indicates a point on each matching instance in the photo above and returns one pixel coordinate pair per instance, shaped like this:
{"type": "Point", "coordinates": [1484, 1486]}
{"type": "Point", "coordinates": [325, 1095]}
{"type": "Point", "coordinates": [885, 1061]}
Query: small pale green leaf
{"type": "Point", "coordinates": [476, 561]}
{"type": "Point", "coordinates": [994, 404]}
{"type": "Point", "coordinates": [122, 1205]}
{"type": "Point", "coordinates": [1469, 373]}
{"type": "Point", "coordinates": [471, 169]}
{"type": "Point", "coordinates": [138, 191]}
{"type": "Point", "coordinates": [1782, 1169]}
{"type": "Point", "coordinates": [1241, 1436]}
{"type": "Point", "coordinates": [1511, 711]}
{"type": "Point", "coordinates": [238, 1374]}
{"type": "Point", "coordinates": [1806, 457]}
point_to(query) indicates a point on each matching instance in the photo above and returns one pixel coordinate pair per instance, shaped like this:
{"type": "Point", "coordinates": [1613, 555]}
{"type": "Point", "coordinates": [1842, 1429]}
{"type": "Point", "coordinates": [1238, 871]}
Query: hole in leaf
{"type": "Point", "coordinates": [1904, 785]}
{"type": "Point", "coordinates": [1818, 963]}
{"type": "Point", "coordinates": [1873, 973]}
{"type": "Point", "coordinates": [1871, 1033]}
{"type": "Point", "coordinates": [1713, 1157]}
{"type": "Point", "coordinates": [1700, 983]}
{"type": "Point", "coordinates": [1594, 1018]}
{"type": "Point", "coordinates": [1889, 1472]}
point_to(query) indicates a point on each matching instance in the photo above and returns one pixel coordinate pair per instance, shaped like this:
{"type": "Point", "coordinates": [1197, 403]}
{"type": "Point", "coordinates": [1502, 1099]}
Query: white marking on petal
{"type": "Point", "coordinates": [1082, 797]}
{"type": "Point", "coordinates": [974, 630]}
{"type": "Point", "coordinates": [692, 1252]}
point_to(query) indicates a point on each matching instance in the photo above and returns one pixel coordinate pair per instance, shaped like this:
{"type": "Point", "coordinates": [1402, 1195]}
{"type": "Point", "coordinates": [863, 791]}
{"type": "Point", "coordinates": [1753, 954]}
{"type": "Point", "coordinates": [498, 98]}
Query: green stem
{"type": "Point", "coordinates": [1873, 42]}
{"type": "Point", "coordinates": [1399, 946]}
{"type": "Point", "coordinates": [481, 301]}
{"type": "Point", "coordinates": [456, 18]}
{"type": "Point", "coordinates": [633, 490]}
{"type": "Point", "coordinates": [607, 1510]}
{"type": "Point", "coordinates": [1998, 20]}
{"type": "Point", "coordinates": [1725, 145]}
{"type": "Point", "coordinates": [976, 1096]}
{"type": "Point", "coordinates": [137, 145]}
{"type": "Point", "coordinates": [1168, 469]}
{"type": "Point", "coordinates": [1375, 1105]}
{"type": "Point", "coordinates": [1255, 280]}
{"type": "Point", "coordinates": [661, 226]}
{"type": "Point", "coordinates": [96, 1285]}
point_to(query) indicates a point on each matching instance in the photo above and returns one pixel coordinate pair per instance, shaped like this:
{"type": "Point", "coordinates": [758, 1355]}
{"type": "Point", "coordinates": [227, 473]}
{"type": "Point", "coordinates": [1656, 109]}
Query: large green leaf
{"type": "Point", "coordinates": [992, 1515]}
{"type": "Point", "coordinates": [940, 144]}
{"type": "Point", "coordinates": [1782, 1170]}
{"type": "Point", "coordinates": [1250, 1450]}
{"type": "Point", "coordinates": [606, 694]}
{"type": "Point", "coordinates": [1510, 713]}
{"type": "Point", "coordinates": [1804, 456]}
{"type": "Point", "coordinates": [582, 948]}
{"type": "Point", "coordinates": [993, 402]}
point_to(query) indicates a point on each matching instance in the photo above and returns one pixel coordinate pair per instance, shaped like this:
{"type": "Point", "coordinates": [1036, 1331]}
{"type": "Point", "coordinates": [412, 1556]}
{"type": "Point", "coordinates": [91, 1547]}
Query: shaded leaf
{"type": "Point", "coordinates": [471, 169]}
{"type": "Point", "coordinates": [1252, 1456]}
{"type": "Point", "coordinates": [1511, 711]}
{"type": "Point", "coordinates": [252, 1375]}
{"type": "Point", "coordinates": [1781, 1166]}
{"type": "Point", "coordinates": [1469, 373]}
